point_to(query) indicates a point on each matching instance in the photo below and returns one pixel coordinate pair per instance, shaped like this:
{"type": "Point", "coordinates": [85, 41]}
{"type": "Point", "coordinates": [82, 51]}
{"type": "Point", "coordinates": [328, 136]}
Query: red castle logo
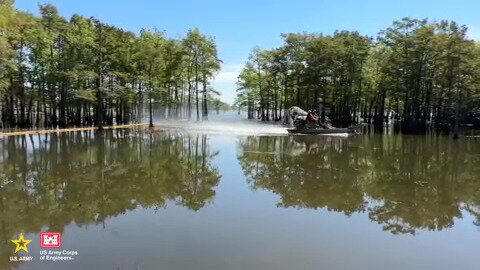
{"type": "Point", "coordinates": [50, 240]}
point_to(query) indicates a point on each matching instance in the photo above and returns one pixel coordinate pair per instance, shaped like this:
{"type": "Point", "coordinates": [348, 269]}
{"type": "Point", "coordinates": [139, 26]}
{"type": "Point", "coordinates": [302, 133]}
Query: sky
{"type": "Point", "coordinates": [239, 26]}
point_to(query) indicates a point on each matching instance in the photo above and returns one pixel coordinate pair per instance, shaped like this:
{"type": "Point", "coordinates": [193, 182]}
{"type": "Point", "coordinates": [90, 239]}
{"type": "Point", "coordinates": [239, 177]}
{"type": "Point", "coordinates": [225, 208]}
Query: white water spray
{"type": "Point", "coordinates": [229, 124]}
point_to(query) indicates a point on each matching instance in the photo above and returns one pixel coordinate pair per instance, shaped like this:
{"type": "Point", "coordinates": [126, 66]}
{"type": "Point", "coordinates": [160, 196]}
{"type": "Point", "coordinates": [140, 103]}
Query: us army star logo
{"type": "Point", "coordinates": [21, 243]}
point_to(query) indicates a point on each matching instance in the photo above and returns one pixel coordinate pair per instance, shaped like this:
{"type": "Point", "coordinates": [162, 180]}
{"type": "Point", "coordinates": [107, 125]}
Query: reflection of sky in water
{"type": "Point", "coordinates": [246, 229]}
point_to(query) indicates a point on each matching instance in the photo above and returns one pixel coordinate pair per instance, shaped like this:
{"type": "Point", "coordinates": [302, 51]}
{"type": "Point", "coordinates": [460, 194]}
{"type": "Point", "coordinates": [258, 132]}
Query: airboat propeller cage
{"type": "Point", "coordinates": [292, 113]}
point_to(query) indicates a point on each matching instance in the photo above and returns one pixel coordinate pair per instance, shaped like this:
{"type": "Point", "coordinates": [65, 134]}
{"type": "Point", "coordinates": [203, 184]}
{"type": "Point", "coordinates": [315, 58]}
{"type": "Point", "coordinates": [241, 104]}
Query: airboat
{"type": "Point", "coordinates": [308, 123]}
{"type": "Point", "coordinates": [321, 131]}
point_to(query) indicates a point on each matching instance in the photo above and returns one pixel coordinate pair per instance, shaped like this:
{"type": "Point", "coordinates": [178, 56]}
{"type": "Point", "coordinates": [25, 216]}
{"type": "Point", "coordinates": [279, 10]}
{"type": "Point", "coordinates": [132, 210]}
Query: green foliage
{"type": "Point", "coordinates": [55, 72]}
{"type": "Point", "coordinates": [201, 52]}
{"type": "Point", "coordinates": [418, 73]}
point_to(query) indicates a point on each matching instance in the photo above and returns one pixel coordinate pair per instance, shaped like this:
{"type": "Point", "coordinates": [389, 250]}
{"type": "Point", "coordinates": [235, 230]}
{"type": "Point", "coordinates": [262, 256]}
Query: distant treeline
{"type": "Point", "coordinates": [418, 74]}
{"type": "Point", "coordinates": [55, 72]}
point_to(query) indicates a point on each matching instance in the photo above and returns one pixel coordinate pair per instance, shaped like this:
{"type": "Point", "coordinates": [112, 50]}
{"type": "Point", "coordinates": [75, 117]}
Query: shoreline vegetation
{"type": "Point", "coordinates": [58, 73]}
{"type": "Point", "coordinates": [417, 75]}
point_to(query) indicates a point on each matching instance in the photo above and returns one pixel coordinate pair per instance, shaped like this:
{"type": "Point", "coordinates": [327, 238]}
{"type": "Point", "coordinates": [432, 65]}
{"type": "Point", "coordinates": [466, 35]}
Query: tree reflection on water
{"type": "Point", "coordinates": [50, 181]}
{"type": "Point", "coordinates": [405, 183]}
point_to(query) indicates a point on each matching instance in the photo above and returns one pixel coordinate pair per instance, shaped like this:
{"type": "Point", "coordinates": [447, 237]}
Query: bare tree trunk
{"type": "Point", "coordinates": [150, 102]}
{"type": "Point", "coordinates": [196, 90]}
{"type": "Point", "coordinates": [205, 109]}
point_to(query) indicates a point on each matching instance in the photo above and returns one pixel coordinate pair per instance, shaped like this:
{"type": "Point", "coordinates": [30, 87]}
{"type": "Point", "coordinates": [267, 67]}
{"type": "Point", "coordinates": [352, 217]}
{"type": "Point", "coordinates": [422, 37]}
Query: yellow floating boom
{"type": "Point", "coordinates": [47, 131]}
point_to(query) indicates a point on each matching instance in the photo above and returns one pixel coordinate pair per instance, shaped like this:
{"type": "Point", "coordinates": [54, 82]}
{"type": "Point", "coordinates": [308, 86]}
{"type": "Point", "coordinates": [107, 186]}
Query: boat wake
{"type": "Point", "coordinates": [228, 124]}
{"type": "Point", "coordinates": [234, 127]}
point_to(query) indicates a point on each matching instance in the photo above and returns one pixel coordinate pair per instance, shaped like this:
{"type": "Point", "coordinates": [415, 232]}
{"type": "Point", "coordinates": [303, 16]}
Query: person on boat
{"type": "Point", "coordinates": [312, 117]}
{"type": "Point", "coordinates": [327, 124]}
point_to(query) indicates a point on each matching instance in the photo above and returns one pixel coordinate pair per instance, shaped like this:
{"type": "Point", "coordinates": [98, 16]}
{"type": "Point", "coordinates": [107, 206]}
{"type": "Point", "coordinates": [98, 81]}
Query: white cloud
{"type": "Point", "coordinates": [226, 77]}
{"type": "Point", "coordinates": [225, 82]}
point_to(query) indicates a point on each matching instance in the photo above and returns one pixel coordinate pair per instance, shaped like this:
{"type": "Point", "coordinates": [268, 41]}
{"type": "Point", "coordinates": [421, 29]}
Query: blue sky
{"type": "Point", "coordinates": [240, 25]}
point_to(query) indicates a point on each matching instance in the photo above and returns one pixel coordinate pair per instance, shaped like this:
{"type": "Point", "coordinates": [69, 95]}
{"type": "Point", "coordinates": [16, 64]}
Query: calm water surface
{"type": "Point", "coordinates": [130, 199]}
